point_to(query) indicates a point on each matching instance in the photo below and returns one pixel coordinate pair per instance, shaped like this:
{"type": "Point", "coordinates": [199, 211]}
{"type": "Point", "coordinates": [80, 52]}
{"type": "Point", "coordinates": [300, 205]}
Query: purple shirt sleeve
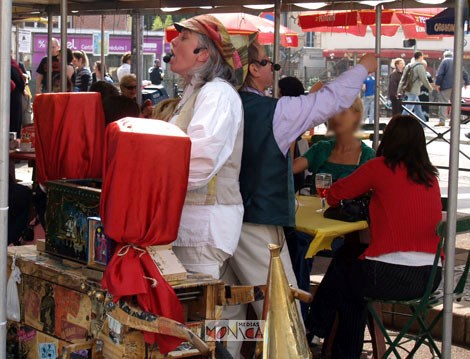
{"type": "Point", "coordinates": [295, 115]}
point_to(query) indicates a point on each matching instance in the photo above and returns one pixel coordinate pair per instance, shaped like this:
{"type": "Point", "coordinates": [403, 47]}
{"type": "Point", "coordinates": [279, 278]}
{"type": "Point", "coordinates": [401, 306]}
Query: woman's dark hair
{"type": "Point", "coordinates": [105, 89]}
{"type": "Point", "coordinates": [404, 143]}
{"type": "Point", "coordinates": [69, 56]}
{"type": "Point", "coordinates": [117, 107]}
{"type": "Point", "coordinates": [291, 86]}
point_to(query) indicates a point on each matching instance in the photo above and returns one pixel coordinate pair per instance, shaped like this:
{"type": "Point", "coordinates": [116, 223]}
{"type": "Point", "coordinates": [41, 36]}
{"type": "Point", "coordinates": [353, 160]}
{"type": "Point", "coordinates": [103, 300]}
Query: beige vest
{"type": "Point", "coordinates": [224, 187]}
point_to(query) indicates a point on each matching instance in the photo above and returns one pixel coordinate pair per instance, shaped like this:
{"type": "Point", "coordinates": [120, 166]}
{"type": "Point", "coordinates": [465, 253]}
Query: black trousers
{"type": "Point", "coordinates": [19, 202]}
{"type": "Point", "coordinates": [396, 106]}
{"type": "Point", "coordinates": [342, 292]}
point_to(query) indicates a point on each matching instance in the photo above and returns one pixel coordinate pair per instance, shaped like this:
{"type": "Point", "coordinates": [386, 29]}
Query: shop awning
{"type": "Point", "coordinates": [443, 23]}
{"type": "Point", "coordinates": [412, 21]}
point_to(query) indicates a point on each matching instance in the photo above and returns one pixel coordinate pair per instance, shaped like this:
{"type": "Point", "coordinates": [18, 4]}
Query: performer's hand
{"type": "Point", "coordinates": [438, 88]}
{"type": "Point", "coordinates": [369, 61]}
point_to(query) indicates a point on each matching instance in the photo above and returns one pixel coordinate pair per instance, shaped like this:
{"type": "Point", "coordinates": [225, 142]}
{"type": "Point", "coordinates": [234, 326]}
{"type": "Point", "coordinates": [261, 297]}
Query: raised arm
{"type": "Point", "coordinates": [295, 115]}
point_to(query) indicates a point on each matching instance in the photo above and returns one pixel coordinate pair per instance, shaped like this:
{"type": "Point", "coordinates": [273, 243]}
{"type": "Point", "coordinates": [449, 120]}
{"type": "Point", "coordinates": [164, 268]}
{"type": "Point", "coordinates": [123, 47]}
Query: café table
{"type": "Point", "coordinates": [324, 230]}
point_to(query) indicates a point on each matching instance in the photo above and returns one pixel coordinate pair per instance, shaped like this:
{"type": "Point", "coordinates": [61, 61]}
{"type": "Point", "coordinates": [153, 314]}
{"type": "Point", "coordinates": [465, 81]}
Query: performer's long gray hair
{"type": "Point", "coordinates": [215, 66]}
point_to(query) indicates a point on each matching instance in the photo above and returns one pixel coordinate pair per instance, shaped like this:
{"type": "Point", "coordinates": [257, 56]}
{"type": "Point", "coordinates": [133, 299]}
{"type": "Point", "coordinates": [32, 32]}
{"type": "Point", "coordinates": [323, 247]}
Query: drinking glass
{"type": "Point", "coordinates": [323, 183]}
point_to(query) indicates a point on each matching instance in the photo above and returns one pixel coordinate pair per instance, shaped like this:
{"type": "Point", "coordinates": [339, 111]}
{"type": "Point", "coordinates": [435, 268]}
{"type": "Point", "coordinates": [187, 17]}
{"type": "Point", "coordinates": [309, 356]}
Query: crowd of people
{"type": "Point", "coordinates": [241, 193]}
{"type": "Point", "coordinates": [412, 82]}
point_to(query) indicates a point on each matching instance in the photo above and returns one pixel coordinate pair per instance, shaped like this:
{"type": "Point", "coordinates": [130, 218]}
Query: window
{"type": "Point", "coordinates": [309, 39]}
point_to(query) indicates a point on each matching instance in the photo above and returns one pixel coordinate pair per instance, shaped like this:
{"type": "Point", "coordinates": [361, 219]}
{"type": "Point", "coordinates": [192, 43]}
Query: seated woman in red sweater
{"type": "Point", "coordinates": [405, 209]}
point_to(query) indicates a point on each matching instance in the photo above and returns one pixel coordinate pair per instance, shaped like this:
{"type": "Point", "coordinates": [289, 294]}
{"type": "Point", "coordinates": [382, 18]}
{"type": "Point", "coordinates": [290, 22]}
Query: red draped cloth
{"type": "Point", "coordinates": [69, 135]}
{"type": "Point", "coordinates": [145, 178]}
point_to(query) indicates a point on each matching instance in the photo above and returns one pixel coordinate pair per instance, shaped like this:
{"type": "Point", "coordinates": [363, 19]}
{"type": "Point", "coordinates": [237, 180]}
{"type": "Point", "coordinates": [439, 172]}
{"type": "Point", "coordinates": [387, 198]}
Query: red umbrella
{"type": "Point", "coordinates": [245, 24]}
{"type": "Point", "coordinates": [413, 22]}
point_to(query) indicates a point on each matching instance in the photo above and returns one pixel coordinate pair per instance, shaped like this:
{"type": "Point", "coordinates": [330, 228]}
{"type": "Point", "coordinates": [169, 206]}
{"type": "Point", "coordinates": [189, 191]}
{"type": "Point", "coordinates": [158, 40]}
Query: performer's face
{"type": "Point", "coordinates": [184, 59]}
{"type": "Point", "coordinates": [263, 73]}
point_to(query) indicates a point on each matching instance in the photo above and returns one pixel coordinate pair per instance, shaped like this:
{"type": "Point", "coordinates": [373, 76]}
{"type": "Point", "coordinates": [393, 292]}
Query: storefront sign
{"type": "Point", "coordinates": [118, 44]}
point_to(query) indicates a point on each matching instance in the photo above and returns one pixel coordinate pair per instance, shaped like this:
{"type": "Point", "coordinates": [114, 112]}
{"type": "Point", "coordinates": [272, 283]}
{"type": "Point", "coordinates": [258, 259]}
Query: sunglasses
{"type": "Point", "coordinates": [130, 87]}
{"type": "Point", "coordinates": [264, 62]}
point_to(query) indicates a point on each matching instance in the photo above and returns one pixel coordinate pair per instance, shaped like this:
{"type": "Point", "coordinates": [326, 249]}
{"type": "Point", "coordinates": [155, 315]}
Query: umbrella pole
{"type": "Point", "coordinates": [277, 44]}
{"type": "Point", "coordinates": [378, 45]}
{"type": "Point", "coordinates": [102, 50]}
{"type": "Point", "coordinates": [136, 62]}
{"type": "Point", "coordinates": [453, 181]}
{"type": "Point", "coordinates": [5, 48]}
{"type": "Point", "coordinates": [63, 45]}
{"type": "Point", "coordinates": [49, 53]}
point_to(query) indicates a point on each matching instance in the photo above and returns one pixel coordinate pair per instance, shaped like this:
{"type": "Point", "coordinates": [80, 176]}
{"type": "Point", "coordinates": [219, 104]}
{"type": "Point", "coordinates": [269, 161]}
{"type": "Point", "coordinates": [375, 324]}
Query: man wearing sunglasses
{"type": "Point", "coordinates": [128, 86]}
{"type": "Point", "coordinates": [266, 180]}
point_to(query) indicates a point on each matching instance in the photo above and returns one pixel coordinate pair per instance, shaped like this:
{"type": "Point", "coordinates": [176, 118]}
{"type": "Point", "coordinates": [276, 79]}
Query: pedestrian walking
{"type": "Point", "coordinates": [445, 82]}
{"type": "Point", "coordinates": [398, 64]}
{"type": "Point", "coordinates": [414, 76]}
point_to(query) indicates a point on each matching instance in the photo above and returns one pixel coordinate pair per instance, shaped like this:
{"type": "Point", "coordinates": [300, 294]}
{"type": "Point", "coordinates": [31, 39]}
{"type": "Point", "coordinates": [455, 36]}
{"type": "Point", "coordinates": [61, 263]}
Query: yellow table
{"type": "Point", "coordinates": [309, 221]}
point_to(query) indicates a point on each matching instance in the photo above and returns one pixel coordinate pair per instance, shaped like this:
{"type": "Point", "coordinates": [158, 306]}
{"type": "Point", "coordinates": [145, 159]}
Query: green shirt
{"type": "Point", "coordinates": [317, 157]}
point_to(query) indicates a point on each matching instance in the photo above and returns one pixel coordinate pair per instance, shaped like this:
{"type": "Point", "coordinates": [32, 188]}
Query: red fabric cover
{"type": "Point", "coordinates": [69, 135]}
{"type": "Point", "coordinates": [146, 168]}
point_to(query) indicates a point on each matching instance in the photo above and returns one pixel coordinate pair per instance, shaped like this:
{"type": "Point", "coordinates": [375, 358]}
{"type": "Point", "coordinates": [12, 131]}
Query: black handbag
{"type": "Point", "coordinates": [350, 210]}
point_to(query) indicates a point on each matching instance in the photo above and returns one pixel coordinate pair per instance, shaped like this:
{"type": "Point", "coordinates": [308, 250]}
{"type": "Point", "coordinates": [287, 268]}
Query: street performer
{"type": "Point", "coordinates": [211, 113]}
{"type": "Point", "coordinates": [266, 180]}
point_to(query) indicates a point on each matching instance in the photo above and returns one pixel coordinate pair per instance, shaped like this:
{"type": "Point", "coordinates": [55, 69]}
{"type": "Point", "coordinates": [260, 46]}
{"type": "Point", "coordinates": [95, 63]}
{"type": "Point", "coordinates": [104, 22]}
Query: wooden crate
{"type": "Point", "coordinates": [74, 291]}
{"type": "Point", "coordinates": [56, 310]}
{"type": "Point", "coordinates": [25, 342]}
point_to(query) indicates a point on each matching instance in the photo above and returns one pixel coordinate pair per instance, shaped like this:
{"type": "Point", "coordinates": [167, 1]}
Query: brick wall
{"type": "Point", "coordinates": [112, 22]}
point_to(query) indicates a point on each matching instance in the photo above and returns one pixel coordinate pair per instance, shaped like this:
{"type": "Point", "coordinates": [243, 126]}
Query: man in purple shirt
{"type": "Point", "coordinates": [270, 126]}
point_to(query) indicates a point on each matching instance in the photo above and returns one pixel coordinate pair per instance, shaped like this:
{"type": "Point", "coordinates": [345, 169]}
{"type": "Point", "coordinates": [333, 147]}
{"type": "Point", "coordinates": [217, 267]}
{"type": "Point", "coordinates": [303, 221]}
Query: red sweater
{"type": "Point", "coordinates": [403, 214]}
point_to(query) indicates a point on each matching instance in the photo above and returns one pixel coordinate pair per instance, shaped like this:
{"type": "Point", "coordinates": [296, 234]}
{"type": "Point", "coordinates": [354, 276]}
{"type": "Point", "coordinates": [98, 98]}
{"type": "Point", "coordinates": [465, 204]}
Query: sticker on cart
{"type": "Point", "coordinates": [47, 351]}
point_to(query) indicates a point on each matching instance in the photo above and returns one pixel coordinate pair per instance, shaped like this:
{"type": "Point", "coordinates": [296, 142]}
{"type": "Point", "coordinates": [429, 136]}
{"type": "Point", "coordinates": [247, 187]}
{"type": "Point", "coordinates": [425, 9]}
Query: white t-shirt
{"type": "Point", "coordinates": [124, 69]}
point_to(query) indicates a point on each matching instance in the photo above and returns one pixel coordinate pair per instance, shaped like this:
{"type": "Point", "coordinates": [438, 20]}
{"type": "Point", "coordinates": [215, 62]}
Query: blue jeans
{"type": "Point", "coordinates": [369, 108]}
{"type": "Point", "coordinates": [414, 108]}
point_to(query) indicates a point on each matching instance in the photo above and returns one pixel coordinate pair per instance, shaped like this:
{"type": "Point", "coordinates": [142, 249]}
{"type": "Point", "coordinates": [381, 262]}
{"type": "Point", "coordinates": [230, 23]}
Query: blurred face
{"type": "Point", "coordinates": [345, 123]}
{"type": "Point", "coordinates": [400, 66]}
{"type": "Point", "coordinates": [184, 60]}
{"type": "Point", "coordinates": [130, 89]}
{"type": "Point", "coordinates": [263, 75]}
{"type": "Point", "coordinates": [76, 62]}
{"type": "Point", "coordinates": [55, 48]}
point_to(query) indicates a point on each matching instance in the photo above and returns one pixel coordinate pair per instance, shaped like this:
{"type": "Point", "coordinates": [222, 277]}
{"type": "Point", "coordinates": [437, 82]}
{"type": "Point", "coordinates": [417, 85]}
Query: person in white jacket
{"type": "Point", "coordinates": [210, 112]}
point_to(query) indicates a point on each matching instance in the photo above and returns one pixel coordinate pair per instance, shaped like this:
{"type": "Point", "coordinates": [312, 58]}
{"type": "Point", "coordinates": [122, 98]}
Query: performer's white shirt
{"type": "Point", "coordinates": [217, 117]}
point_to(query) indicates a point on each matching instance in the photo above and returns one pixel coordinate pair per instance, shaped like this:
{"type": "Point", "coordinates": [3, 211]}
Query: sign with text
{"type": "Point", "coordinates": [24, 41]}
